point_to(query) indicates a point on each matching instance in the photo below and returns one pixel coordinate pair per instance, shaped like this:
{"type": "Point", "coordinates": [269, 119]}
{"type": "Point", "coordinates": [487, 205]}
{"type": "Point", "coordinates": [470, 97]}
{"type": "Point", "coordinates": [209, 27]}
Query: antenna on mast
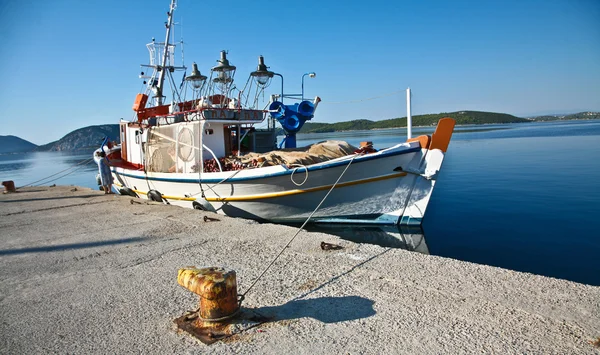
{"type": "Point", "coordinates": [181, 41]}
{"type": "Point", "coordinates": [161, 77]}
{"type": "Point", "coordinates": [162, 63]}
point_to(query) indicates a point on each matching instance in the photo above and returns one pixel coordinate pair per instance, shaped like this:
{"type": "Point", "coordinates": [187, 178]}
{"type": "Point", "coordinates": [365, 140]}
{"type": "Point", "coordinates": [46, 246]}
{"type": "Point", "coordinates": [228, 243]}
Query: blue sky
{"type": "Point", "coordinates": [67, 64]}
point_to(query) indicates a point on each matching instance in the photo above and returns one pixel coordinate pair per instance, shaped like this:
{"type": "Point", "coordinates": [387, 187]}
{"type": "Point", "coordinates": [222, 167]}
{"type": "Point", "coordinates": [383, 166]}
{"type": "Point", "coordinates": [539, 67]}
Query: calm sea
{"type": "Point", "coordinates": [519, 196]}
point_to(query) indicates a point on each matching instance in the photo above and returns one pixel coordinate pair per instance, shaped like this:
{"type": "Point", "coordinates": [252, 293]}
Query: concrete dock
{"type": "Point", "coordinates": [84, 272]}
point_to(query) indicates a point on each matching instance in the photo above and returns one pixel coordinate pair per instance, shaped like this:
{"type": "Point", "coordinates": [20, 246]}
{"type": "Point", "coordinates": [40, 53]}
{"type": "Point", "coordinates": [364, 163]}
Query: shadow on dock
{"type": "Point", "coordinates": [60, 247]}
{"type": "Point", "coordinates": [50, 198]}
{"type": "Point", "coordinates": [400, 237]}
{"type": "Point", "coordinates": [324, 309]}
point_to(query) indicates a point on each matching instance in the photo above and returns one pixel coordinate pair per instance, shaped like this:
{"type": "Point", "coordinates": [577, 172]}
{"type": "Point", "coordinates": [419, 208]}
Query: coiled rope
{"type": "Point", "coordinates": [298, 166]}
{"type": "Point", "coordinates": [243, 295]}
{"type": "Point", "coordinates": [74, 167]}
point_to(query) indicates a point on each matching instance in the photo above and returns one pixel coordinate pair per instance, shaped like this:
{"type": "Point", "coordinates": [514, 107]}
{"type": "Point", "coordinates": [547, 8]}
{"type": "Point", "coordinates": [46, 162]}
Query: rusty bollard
{"type": "Point", "coordinates": [9, 186]}
{"type": "Point", "coordinates": [217, 288]}
{"type": "Point", "coordinates": [219, 313]}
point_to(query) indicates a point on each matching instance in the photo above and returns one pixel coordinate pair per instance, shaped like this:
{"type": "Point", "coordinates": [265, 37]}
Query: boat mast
{"type": "Point", "coordinates": [161, 77]}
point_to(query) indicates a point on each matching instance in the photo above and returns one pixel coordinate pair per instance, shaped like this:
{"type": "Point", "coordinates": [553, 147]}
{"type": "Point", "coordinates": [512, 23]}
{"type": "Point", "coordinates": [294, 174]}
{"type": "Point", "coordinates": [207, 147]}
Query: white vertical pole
{"type": "Point", "coordinates": [408, 115]}
{"type": "Point", "coordinates": [161, 76]}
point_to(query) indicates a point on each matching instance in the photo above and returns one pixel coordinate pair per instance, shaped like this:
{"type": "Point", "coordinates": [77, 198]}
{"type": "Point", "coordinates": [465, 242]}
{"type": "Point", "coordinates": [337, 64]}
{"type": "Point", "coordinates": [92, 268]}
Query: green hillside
{"type": "Point", "coordinates": [86, 138]}
{"type": "Point", "coordinates": [12, 144]}
{"type": "Point", "coordinates": [461, 117]}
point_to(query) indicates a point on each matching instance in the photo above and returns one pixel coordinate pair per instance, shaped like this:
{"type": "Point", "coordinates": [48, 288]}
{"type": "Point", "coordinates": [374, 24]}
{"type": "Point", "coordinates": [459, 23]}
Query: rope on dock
{"type": "Point", "coordinates": [243, 295]}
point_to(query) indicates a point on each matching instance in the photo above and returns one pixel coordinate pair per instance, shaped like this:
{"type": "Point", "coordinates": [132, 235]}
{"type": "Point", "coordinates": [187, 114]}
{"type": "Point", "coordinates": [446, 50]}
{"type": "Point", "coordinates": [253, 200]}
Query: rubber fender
{"type": "Point", "coordinates": [154, 195]}
{"type": "Point", "coordinates": [203, 205]}
{"type": "Point", "coordinates": [126, 191]}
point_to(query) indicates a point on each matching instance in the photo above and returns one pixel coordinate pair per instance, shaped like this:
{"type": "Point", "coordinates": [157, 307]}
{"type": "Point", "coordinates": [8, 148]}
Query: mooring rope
{"type": "Point", "coordinates": [62, 171]}
{"type": "Point", "coordinates": [243, 295]}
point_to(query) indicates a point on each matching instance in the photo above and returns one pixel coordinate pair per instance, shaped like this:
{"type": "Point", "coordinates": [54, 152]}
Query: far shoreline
{"type": "Point", "coordinates": [433, 125]}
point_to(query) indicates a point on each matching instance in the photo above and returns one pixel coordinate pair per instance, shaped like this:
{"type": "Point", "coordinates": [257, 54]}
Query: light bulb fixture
{"type": "Point", "coordinates": [312, 74]}
{"type": "Point", "coordinates": [262, 73]}
{"type": "Point", "coordinates": [195, 78]}
{"type": "Point", "coordinates": [224, 69]}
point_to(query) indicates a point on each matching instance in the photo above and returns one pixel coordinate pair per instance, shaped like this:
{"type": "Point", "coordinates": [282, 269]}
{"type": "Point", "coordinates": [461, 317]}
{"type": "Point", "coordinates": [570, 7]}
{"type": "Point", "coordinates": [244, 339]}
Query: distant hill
{"type": "Point", "coordinates": [90, 137]}
{"type": "Point", "coordinates": [86, 138]}
{"type": "Point", "coordinates": [12, 144]}
{"type": "Point", "coordinates": [588, 115]}
{"type": "Point", "coordinates": [461, 117]}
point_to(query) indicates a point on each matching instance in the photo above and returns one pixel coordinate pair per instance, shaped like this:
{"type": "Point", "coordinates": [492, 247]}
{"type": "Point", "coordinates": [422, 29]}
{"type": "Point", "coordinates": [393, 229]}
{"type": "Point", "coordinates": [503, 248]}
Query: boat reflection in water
{"type": "Point", "coordinates": [392, 236]}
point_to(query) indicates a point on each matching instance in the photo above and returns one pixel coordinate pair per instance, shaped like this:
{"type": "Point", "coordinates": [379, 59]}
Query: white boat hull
{"type": "Point", "coordinates": [387, 187]}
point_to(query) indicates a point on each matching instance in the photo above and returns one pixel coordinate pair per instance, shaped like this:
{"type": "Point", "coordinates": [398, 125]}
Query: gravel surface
{"type": "Point", "coordinates": [84, 272]}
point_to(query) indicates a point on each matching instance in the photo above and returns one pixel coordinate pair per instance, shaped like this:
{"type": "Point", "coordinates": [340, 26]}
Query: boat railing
{"type": "Point", "coordinates": [214, 156]}
{"type": "Point", "coordinates": [212, 113]}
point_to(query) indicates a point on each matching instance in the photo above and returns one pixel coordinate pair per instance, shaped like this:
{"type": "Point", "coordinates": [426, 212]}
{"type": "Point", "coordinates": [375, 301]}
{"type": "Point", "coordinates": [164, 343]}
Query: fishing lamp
{"type": "Point", "coordinates": [224, 69]}
{"type": "Point", "coordinates": [262, 74]}
{"type": "Point", "coordinates": [195, 78]}
{"type": "Point", "coordinates": [310, 75]}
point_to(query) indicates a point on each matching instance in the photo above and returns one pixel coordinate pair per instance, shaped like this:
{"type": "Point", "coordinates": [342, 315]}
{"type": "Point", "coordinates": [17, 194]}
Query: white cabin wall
{"type": "Point", "coordinates": [134, 151]}
{"type": "Point", "coordinates": [214, 141]}
{"type": "Point", "coordinates": [186, 166]}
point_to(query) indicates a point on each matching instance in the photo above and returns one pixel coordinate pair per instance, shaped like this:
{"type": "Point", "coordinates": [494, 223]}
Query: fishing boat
{"type": "Point", "coordinates": [198, 143]}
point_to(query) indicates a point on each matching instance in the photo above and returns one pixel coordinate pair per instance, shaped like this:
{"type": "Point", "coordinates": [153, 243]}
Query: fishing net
{"type": "Point", "coordinates": [312, 154]}
{"type": "Point", "coordinates": [160, 149]}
